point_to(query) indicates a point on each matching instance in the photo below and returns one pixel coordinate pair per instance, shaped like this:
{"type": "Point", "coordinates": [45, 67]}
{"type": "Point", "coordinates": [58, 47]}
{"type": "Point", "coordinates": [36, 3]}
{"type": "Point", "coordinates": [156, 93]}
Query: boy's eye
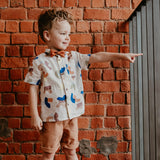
{"type": "Point", "coordinates": [62, 33]}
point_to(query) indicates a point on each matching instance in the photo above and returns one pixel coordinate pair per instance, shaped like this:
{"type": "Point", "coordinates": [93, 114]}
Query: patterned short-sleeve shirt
{"type": "Point", "coordinates": [61, 84]}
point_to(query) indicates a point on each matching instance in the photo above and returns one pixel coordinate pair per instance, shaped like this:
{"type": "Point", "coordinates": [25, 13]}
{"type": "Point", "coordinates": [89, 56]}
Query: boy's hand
{"type": "Point", "coordinates": [36, 123]}
{"type": "Point", "coordinates": [132, 56]}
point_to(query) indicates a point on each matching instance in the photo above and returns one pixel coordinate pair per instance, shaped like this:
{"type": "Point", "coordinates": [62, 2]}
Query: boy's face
{"type": "Point", "coordinates": [59, 35]}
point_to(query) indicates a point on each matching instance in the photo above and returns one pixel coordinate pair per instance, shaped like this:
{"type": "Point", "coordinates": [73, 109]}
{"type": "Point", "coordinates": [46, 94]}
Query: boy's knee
{"type": "Point", "coordinates": [48, 156]}
{"type": "Point", "coordinates": [69, 152]}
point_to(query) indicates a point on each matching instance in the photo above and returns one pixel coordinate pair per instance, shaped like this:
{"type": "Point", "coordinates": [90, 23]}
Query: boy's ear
{"type": "Point", "coordinates": [46, 35]}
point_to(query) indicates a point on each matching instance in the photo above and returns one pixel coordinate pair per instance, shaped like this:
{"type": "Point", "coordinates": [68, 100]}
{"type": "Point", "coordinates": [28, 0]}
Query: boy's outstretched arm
{"type": "Point", "coordinates": [36, 121]}
{"type": "Point", "coordinates": [108, 56]}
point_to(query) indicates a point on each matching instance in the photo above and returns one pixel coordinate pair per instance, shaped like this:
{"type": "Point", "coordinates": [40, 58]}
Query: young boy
{"type": "Point", "coordinates": [58, 72]}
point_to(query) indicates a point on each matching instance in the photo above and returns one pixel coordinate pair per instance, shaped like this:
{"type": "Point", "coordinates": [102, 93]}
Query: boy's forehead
{"type": "Point", "coordinates": [60, 24]}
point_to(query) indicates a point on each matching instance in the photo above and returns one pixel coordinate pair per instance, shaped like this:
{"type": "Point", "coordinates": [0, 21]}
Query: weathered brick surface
{"type": "Point", "coordinates": [99, 26]}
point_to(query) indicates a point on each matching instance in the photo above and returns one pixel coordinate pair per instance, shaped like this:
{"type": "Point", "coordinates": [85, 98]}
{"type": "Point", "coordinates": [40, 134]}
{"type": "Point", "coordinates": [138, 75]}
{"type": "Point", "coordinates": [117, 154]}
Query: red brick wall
{"type": "Point", "coordinates": [99, 26]}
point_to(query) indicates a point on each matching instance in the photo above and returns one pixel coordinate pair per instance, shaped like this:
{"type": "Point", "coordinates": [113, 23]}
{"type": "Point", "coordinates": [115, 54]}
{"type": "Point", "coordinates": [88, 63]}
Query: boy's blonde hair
{"type": "Point", "coordinates": [47, 17]}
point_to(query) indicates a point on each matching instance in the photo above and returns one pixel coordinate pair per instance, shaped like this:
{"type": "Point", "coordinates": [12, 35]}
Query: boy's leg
{"type": "Point", "coordinates": [70, 154]}
{"type": "Point", "coordinates": [69, 140]}
{"type": "Point", "coordinates": [47, 156]}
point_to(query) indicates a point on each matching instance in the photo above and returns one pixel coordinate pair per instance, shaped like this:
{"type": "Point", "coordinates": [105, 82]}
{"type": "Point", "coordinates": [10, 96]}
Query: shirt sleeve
{"type": "Point", "coordinates": [34, 73]}
{"type": "Point", "coordinates": [83, 60]}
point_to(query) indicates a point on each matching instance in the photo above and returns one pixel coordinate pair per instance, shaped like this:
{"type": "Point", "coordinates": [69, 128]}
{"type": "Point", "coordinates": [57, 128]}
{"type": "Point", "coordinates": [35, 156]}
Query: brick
{"type": "Point", "coordinates": [16, 3]}
{"type": "Point", "coordinates": [86, 134]}
{"type": "Point", "coordinates": [91, 98]}
{"type": "Point", "coordinates": [119, 97]}
{"type": "Point", "coordinates": [97, 3]}
{"type": "Point", "coordinates": [24, 38]}
{"type": "Point", "coordinates": [84, 3]}
{"type": "Point", "coordinates": [110, 122]}
{"type": "Point", "coordinates": [22, 98]}
{"type": "Point", "coordinates": [5, 86]}
{"type": "Point", "coordinates": [130, 146]}
{"type": "Point", "coordinates": [84, 49]}
{"type": "Point", "coordinates": [118, 14]}
{"type": "Point", "coordinates": [118, 110]}
{"type": "Point", "coordinates": [38, 148]}
{"type": "Point", "coordinates": [98, 39]}
{"type": "Point", "coordinates": [2, 25]}
{"type": "Point", "coordinates": [14, 13]}
{"type": "Point", "coordinates": [26, 135]}
{"type": "Point", "coordinates": [127, 134]}
{"type": "Point", "coordinates": [29, 3]}
{"type": "Point", "coordinates": [83, 123]}
{"type": "Point", "coordinates": [16, 74]}
{"type": "Point", "coordinates": [123, 26]}
{"type": "Point", "coordinates": [128, 98]}
{"type": "Point", "coordinates": [40, 49]}
{"type": "Point", "coordinates": [8, 99]}
{"type": "Point", "coordinates": [108, 74]}
{"type": "Point", "coordinates": [14, 62]}
{"type": "Point", "coordinates": [44, 3]}
{"type": "Point", "coordinates": [35, 26]}
{"type": "Point", "coordinates": [14, 157]}
{"type": "Point", "coordinates": [4, 74]}
{"type": "Point", "coordinates": [14, 123]}
{"type": "Point", "coordinates": [3, 148]}
{"type": "Point", "coordinates": [94, 110]}
{"type": "Point", "coordinates": [105, 98]}
{"type": "Point", "coordinates": [96, 49]}
{"type": "Point", "coordinates": [84, 38]}
{"type": "Point", "coordinates": [26, 123]}
{"type": "Point", "coordinates": [88, 86]}
{"type": "Point", "coordinates": [13, 148]}
{"type": "Point", "coordinates": [83, 26]}
{"type": "Point", "coordinates": [125, 86]}
{"type": "Point", "coordinates": [27, 148]}
{"type": "Point", "coordinates": [0, 98]}
{"type": "Point", "coordinates": [13, 51]}
{"type": "Point", "coordinates": [124, 4]}
{"type": "Point", "coordinates": [57, 3]}
{"type": "Point", "coordinates": [28, 51]}
{"type": "Point", "coordinates": [95, 157]}
{"type": "Point", "coordinates": [96, 14]}
{"type": "Point", "coordinates": [122, 74]}
{"type": "Point", "coordinates": [20, 86]}
{"type": "Point", "coordinates": [108, 86]}
{"type": "Point", "coordinates": [122, 146]}
{"type": "Point", "coordinates": [69, 3]}
{"type": "Point", "coordinates": [124, 122]}
{"type": "Point", "coordinates": [97, 123]}
{"type": "Point", "coordinates": [109, 133]}
{"type": "Point", "coordinates": [135, 3]}
{"type": "Point", "coordinates": [96, 26]}
{"type": "Point", "coordinates": [84, 74]}
{"type": "Point", "coordinates": [110, 26]}
{"type": "Point", "coordinates": [2, 51]}
{"type": "Point", "coordinates": [34, 157]}
{"type": "Point", "coordinates": [26, 26]}
{"type": "Point", "coordinates": [126, 38]}
{"type": "Point", "coordinates": [34, 13]}
{"type": "Point", "coordinates": [124, 49]}
{"type": "Point", "coordinates": [4, 38]}
{"type": "Point", "coordinates": [4, 3]}
{"type": "Point", "coordinates": [95, 74]}
{"type": "Point", "coordinates": [113, 38]}
{"type": "Point", "coordinates": [111, 3]}
{"type": "Point", "coordinates": [11, 111]}
{"type": "Point", "coordinates": [121, 64]}
{"type": "Point", "coordinates": [120, 156]}
{"type": "Point", "coordinates": [76, 12]}
{"type": "Point", "coordinates": [113, 49]}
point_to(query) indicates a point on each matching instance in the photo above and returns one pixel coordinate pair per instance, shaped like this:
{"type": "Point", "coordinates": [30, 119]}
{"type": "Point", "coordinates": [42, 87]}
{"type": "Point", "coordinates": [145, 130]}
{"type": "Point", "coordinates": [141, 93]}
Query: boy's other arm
{"type": "Point", "coordinates": [107, 56]}
{"type": "Point", "coordinates": [36, 122]}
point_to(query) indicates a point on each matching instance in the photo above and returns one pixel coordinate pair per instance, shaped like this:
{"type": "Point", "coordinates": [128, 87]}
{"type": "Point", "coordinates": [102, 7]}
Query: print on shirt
{"type": "Point", "coordinates": [48, 88]}
{"type": "Point", "coordinates": [47, 100]}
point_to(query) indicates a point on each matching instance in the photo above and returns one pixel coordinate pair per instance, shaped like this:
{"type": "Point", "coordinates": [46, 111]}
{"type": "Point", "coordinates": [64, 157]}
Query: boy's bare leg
{"type": "Point", "coordinates": [47, 156]}
{"type": "Point", "coordinates": [70, 154]}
